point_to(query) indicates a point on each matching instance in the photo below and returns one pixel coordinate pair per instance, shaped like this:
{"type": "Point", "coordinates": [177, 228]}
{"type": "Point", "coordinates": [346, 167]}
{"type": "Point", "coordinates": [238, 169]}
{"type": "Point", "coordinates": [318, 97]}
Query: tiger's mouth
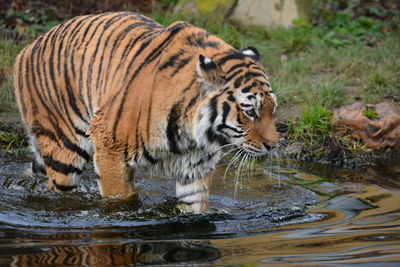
{"type": "Point", "coordinates": [253, 151]}
{"type": "Point", "coordinates": [257, 150]}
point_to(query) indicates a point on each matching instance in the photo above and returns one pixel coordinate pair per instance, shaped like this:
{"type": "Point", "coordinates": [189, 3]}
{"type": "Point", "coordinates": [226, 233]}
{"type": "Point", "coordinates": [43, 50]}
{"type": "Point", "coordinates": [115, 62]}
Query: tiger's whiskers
{"type": "Point", "coordinates": [238, 172]}
{"type": "Point", "coordinates": [233, 159]}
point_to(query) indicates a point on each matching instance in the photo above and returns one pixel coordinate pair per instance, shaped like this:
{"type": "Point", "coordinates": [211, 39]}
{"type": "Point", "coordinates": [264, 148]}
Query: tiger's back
{"type": "Point", "coordinates": [135, 93]}
{"type": "Point", "coordinates": [69, 70]}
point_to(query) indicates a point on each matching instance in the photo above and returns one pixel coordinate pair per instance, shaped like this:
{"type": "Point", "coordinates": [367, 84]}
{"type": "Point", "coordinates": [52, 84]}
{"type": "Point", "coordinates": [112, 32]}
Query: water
{"type": "Point", "coordinates": [277, 213]}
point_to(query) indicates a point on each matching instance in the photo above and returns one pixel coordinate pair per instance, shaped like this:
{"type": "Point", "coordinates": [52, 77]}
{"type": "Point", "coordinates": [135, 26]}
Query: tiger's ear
{"type": "Point", "coordinates": [209, 74]}
{"type": "Point", "coordinates": [251, 52]}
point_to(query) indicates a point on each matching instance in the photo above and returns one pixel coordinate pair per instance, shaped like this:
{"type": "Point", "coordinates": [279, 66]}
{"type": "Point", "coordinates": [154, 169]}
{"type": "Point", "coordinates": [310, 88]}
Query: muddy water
{"type": "Point", "coordinates": [277, 212]}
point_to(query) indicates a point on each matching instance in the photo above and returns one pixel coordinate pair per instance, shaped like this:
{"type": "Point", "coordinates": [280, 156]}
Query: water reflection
{"type": "Point", "coordinates": [100, 253]}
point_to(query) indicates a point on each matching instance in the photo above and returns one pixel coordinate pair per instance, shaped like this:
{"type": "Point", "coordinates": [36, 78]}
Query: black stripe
{"type": "Point", "coordinates": [238, 82]}
{"type": "Point", "coordinates": [126, 153]}
{"type": "Point", "coordinates": [81, 69]}
{"type": "Point", "coordinates": [233, 56]}
{"type": "Point", "coordinates": [231, 98]}
{"type": "Point", "coordinates": [173, 127]}
{"type": "Point", "coordinates": [82, 133]}
{"type": "Point", "coordinates": [61, 167]}
{"type": "Point", "coordinates": [146, 38]}
{"type": "Point", "coordinates": [248, 88]}
{"type": "Point", "coordinates": [258, 68]}
{"type": "Point", "coordinates": [93, 57]}
{"type": "Point", "coordinates": [71, 98]}
{"type": "Point", "coordinates": [35, 88]}
{"type": "Point", "coordinates": [56, 109]}
{"type": "Point", "coordinates": [38, 168]}
{"type": "Point", "coordinates": [238, 115]}
{"type": "Point", "coordinates": [191, 103]}
{"type": "Point", "coordinates": [213, 107]}
{"type": "Point", "coordinates": [71, 38]}
{"type": "Point", "coordinates": [74, 147]}
{"type": "Point", "coordinates": [214, 137]}
{"type": "Point", "coordinates": [137, 130]}
{"type": "Point", "coordinates": [233, 75]}
{"type": "Point", "coordinates": [182, 63]}
{"type": "Point", "coordinates": [187, 88]}
{"type": "Point", "coordinates": [38, 130]}
{"type": "Point", "coordinates": [224, 126]}
{"type": "Point", "coordinates": [153, 55]}
{"type": "Point", "coordinates": [250, 75]}
{"type": "Point", "coordinates": [240, 65]}
{"type": "Point", "coordinates": [64, 187]}
{"type": "Point", "coordinates": [69, 52]}
{"type": "Point", "coordinates": [39, 64]}
{"type": "Point", "coordinates": [58, 35]}
{"type": "Point", "coordinates": [69, 69]}
{"type": "Point", "coordinates": [225, 111]}
{"type": "Point", "coordinates": [114, 46]}
{"type": "Point", "coordinates": [147, 155]}
{"type": "Point", "coordinates": [171, 60]}
{"type": "Point", "coordinates": [199, 40]}
{"type": "Point", "coordinates": [245, 105]}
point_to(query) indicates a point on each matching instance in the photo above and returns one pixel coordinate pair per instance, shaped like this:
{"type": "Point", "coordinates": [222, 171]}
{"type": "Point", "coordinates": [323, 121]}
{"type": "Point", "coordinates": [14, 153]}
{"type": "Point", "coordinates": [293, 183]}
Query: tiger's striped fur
{"type": "Point", "coordinates": [133, 93]}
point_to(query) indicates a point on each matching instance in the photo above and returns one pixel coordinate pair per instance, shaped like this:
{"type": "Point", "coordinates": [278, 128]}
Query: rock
{"type": "Point", "coordinates": [205, 7]}
{"type": "Point", "coordinates": [272, 13]}
{"type": "Point", "coordinates": [376, 133]}
{"type": "Point", "coordinates": [249, 12]}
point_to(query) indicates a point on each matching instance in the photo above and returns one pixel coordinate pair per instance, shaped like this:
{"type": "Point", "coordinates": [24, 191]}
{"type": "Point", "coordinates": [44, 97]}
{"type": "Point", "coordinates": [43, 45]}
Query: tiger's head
{"type": "Point", "coordinates": [238, 103]}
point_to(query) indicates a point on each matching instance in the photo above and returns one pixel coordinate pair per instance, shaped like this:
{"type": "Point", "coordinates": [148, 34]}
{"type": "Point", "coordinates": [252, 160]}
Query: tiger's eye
{"type": "Point", "coordinates": [251, 113]}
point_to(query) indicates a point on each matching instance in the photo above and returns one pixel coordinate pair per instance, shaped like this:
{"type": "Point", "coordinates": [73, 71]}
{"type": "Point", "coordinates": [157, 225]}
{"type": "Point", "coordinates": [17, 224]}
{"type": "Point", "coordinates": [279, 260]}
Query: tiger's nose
{"type": "Point", "coordinates": [269, 147]}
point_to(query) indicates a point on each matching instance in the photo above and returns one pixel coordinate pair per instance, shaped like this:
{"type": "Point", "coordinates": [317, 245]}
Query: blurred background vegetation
{"type": "Point", "coordinates": [349, 51]}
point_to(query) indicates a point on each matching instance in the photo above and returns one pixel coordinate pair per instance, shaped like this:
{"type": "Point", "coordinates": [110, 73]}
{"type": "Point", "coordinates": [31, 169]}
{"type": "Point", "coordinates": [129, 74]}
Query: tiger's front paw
{"type": "Point", "coordinates": [195, 208]}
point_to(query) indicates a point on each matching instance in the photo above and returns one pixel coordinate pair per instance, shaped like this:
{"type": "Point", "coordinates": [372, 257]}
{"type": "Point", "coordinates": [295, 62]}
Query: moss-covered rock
{"type": "Point", "coordinates": [205, 7]}
{"type": "Point", "coordinates": [273, 12]}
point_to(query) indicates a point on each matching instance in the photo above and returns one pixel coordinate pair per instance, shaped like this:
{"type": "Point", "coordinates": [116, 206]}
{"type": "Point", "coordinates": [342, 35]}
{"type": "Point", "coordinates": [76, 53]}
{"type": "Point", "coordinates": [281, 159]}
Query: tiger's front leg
{"type": "Point", "coordinates": [116, 178]}
{"type": "Point", "coordinates": [194, 193]}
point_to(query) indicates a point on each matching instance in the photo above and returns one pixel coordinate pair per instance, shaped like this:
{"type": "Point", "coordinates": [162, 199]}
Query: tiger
{"type": "Point", "coordinates": [129, 93]}
{"type": "Point", "coordinates": [113, 252]}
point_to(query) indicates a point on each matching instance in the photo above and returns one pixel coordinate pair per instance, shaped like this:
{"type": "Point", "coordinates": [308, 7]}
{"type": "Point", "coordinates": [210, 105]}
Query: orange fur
{"type": "Point", "coordinates": [135, 93]}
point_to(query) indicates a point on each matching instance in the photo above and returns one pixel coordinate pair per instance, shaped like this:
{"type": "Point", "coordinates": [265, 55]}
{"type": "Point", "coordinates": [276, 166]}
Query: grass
{"type": "Point", "coordinates": [8, 53]}
{"type": "Point", "coordinates": [314, 121]}
{"type": "Point", "coordinates": [316, 68]}
{"type": "Point", "coordinates": [371, 114]}
{"type": "Point", "coordinates": [10, 140]}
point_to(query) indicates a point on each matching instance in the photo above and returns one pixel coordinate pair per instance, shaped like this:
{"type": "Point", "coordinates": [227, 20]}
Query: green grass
{"type": "Point", "coordinates": [8, 53]}
{"type": "Point", "coordinates": [10, 140]}
{"type": "Point", "coordinates": [314, 121]}
{"type": "Point", "coordinates": [371, 114]}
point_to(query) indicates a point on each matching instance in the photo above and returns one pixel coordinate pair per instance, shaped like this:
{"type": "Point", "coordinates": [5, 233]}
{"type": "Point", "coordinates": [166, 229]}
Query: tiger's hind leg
{"type": "Point", "coordinates": [62, 158]}
{"type": "Point", "coordinates": [64, 167]}
{"type": "Point", "coordinates": [194, 194]}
